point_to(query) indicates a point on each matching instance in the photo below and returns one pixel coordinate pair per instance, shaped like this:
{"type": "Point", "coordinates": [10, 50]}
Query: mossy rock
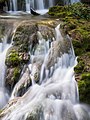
{"type": "Point", "coordinates": [77, 10]}
{"type": "Point", "coordinates": [13, 59]}
{"type": "Point", "coordinates": [22, 37]}
{"type": "Point", "coordinates": [16, 73]}
{"type": "Point", "coordinates": [84, 88]}
{"type": "Point", "coordinates": [12, 77]}
{"type": "Point", "coordinates": [76, 23]}
{"type": "Point", "coordinates": [1, 111]}
{"type": "Point", "coordinates": [83, 64]}
{"type": "Point", "coordinates": [82, 71]}
{"type": "Point", "coordinates": [80, 67]}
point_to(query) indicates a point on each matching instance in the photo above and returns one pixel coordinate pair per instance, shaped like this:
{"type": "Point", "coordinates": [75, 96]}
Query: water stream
{"type": "Point", "coordinates": [39, 5]}
{"type": "Point", "coordinates": [56, 96]}
{"type": "Point", "coordinates": [3, 92]}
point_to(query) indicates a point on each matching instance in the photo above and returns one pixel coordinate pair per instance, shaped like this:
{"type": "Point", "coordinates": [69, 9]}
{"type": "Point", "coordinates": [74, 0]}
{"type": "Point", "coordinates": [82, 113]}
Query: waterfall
{"type": "Point", "coordinates": [14, 5]}
{"type": "Point", "coordinates": [10, 5]}
{"type": "Point", "coordinates": [56, 96]}
{"type": "Point", "coordinates": [37, 4]}
{"type": "Point", "coordinates": [28, 6]}
{"type": "Point", "coordinates": [74, 1]}
{"type": "Point", "coordinates": [3, 93]}
{"type": "Point", "coordinates": [40, 4]}
{"type": "Point", "coordinates": [4, 47]}
{"type": "Point", "coordinates": [51, 3]}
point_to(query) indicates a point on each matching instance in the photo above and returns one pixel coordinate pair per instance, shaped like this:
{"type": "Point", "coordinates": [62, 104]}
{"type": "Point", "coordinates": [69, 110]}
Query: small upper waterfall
{"type": "Point", "coordinates": [36, 4]}
{"type": "Point", "coordinates": [14, 5]}
{"type": "Point", "coordinates": [40, 4]}
{"type": "Point", "coordinates": [28, 4]}
{"type": "Point", "coordinates": [74, 1]}
{"type": "Point", "coordinates": [51, 3]}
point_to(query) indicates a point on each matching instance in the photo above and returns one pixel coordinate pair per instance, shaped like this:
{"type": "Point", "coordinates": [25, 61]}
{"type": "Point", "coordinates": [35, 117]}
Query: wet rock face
{"type": "Point", "coordinates": [35, 68]}
{"type": "Point", "coordinates": [46, 31]}
{"type": "Point", "coordinates": [12, 76]}
{"type": "Point", "coordinates": [23, 84]}
{"type": "Point", "coordinates": [6, 29]}
{"type": "Point", "coordinates": [56, 51]}
{"type": "Point", "coordinates": [25, 40]}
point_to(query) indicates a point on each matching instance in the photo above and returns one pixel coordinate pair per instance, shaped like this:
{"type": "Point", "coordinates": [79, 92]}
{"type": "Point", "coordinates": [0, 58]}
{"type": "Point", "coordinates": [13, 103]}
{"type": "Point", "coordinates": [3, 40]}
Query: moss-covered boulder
{"type": "Point", "coordinates": [23, 84]}
{"type": "Point", "coordinates": [26, 40]}
{"type": "Point", "coordinates": [15, 58]}
{"type": "Point", "coordinates": [82, 71]}
{"type": "Point", "coordinates": [12, 77]}
{"type": "Point", "coordinates": [77, 10]}
{"type": "Point", "coordinates": [84, 88]}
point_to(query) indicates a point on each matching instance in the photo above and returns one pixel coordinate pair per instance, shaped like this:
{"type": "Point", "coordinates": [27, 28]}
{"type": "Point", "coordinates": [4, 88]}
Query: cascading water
{"type": "Point", "coordinates": [3, 93]}
{"type": "Point", "coordinates": [51, 3]}
{"type": "Point", "coordinates": [10, 5]}
{"type": "Point", "coordinates": [40, 5]}
{"type": "Point", "coordinates": [4, 47]}
{"type": "Point", "coordinates": [28, 4]}
{"type": "Point", "coordinates": [56, 97]}
{"type": "Point", "coordinates": [74, 1]}
{"type": "Point", "coordinates": [14, 5]}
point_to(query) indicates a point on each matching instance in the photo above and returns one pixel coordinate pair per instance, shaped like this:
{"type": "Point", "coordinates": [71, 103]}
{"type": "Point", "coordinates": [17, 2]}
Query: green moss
{"type": "Point", "coordinates": [75, 23]}
{"type": "Point", "coordinates": [82, 42]}
{"type": "Point", "coordinates": [77, 10]}
{"type": "Point", "coordinates": [16, 73]}
{"type": "Point", "coordinates": [84, 88]}
{"type": "Point", "coordinates": [85, 76]}
{"type": "Point", "coordinates": [78, 47]}
{"type": "Point", "coordinates": [80, 67]}
{"type": "Point", "coordinates": [1, 111]}
{"type": "Point", "coordinates": [13, 59]}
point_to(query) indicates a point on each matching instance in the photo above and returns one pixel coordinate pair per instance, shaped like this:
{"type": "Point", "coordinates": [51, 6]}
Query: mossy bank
{"type": "Point", "coordinates": [76, 23]}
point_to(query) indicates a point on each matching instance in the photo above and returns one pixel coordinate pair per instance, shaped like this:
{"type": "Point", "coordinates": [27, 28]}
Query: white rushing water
{"type": "Point", "coordinates": [3, 93]}
{"type": "Point", "coordinates": [28, 4]}
{"type": "Point", "coordinates": [56, 96]}
{"type": "Point", "coordinates": [74, 1]}
{"type": "Point", "coordinates": [51, 3]}
{"type": "Point", "coordinates": [39, 5]}
{"type": "Point", "coordinates": [14, 5]}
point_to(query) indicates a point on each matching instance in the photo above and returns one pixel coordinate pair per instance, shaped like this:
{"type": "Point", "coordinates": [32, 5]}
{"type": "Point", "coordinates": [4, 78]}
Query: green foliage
{"type": "Point", "coordinates": [75, 23]}
{"type": "Point", "coordinates": [84, 88]}
{"type": "Point", "coordinates": [1, 111]}
{"type": "Point", "coordinates": [16, 73]}
{"type": "Point", "coordinates": [80, 67]}
{"type": "Point", "coordinates": [85, 76]}
{"type": "Point", "coordinates": [77, 10]}
{"type": "Point", "coordinates": [13, 59]}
